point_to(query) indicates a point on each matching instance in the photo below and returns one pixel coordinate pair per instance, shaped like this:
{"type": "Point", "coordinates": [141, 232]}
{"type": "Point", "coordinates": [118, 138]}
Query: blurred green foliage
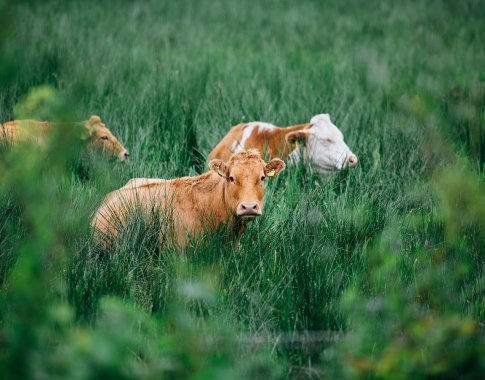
{"type": "Point", "coordinates": [388, 256]}
{"type": "Point", "coordinates": [418, 326]}
{"type": "Point", "coordinates": [41, 103]}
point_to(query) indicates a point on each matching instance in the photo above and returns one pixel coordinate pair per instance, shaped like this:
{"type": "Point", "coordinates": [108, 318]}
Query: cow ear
{"type": "Point", "coordinates": [94, 119]}
{"type": "Point", "coordinates": [85, 131]}
{"type": "Point", "coordinates": [297, 137]}
{"type": "Point", "coordinates": [219, 167]}
{"type": "Point", "coordinates": [274, 167]}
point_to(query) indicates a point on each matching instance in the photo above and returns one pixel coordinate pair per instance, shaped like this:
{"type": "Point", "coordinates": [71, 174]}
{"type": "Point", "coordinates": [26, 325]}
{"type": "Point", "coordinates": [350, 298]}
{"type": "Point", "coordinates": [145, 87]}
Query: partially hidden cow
{"type": "Point", "coordinates": [320, 143]}
{"type": "Point", "coordinates": [93, 131]}
{"type": "Point", "coordinates": [231, 193]}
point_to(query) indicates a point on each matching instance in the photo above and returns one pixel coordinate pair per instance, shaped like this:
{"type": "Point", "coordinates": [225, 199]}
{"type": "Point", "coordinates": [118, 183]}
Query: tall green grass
{"type": "Point", "coordinates": [377, 256]}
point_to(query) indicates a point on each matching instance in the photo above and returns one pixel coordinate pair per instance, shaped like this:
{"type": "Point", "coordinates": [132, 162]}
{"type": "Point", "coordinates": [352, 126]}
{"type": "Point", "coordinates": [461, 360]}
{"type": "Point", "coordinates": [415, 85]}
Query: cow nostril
{"type": "Point", "coordinates": [126, 154]}
{"type": "Point", "coordinates": [249, 207]}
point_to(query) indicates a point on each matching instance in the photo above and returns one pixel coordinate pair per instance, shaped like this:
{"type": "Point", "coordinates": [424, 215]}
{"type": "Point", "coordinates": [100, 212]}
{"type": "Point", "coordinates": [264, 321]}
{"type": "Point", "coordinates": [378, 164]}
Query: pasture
{"type": "Point", "coordinates": [374, 272]}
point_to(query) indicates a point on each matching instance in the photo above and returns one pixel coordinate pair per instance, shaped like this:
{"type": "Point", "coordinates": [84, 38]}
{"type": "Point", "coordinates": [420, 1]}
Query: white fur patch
{"type": "Point", "coordinates": [248, 131]}
{"type": "Point", "coordinates": [322, 118]}
{"type": "Point", "coordinates": [264, 126]}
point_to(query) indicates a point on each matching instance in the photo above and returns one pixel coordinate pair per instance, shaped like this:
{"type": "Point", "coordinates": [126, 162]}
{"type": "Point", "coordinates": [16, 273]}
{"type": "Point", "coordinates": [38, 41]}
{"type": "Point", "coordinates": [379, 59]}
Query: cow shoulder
{"type": "Point", "coordinates": [256, 134]}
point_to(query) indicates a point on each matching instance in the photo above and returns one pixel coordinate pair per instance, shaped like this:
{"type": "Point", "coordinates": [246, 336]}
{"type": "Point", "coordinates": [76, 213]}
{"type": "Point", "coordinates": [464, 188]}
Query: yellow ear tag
{"type": "Point", "coordinates": [220, 172]}
{"type": "Point", "coordinates": [271, 173]}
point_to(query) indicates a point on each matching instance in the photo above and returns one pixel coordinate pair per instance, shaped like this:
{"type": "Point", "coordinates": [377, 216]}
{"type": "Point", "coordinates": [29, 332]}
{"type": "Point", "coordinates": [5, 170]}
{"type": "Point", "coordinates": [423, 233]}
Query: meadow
{"type": "Point", "coordinates": [371, 273]}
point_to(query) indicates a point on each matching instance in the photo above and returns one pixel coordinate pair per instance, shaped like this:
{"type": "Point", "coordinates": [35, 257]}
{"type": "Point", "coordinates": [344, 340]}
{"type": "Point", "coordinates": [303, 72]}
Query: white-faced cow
{"type": "Point", "coordinates": [93, 131]}
{"type": "Point", "coordinates": [231, 193]}
{"type": "Point", "coordinates": [320, 143]}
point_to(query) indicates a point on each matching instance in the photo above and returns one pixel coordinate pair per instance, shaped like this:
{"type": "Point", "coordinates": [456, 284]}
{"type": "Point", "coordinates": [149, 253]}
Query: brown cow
{"type": "Point", "coordinates": [96, 134]}
{"type": "Point", "coordinates": [232, 192]}
{"type": "Point", "coordinates": [320, 143]}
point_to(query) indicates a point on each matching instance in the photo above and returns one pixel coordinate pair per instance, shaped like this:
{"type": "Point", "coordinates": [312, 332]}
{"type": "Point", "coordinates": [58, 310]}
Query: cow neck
{"type": "Point", "coordinates": [221, 213]}
{"type": "Point", "coordinates": [221, 187]}
{"type": "Point", "coordinates": [212, 196]}
{"type": "Point", "coordinates": [281, 148]}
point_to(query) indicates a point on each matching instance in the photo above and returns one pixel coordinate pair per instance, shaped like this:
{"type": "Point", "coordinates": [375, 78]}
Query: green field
{"type": "Point", "coordinates": [370, 273]}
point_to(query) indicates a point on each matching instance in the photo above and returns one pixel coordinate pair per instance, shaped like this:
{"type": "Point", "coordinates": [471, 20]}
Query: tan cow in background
{"type": "Point", "coordinates": [95, 133]}
{"type": "Point", "coordinates": [232, 192]}
{"type": "Point", "coordinates": [320, 143]}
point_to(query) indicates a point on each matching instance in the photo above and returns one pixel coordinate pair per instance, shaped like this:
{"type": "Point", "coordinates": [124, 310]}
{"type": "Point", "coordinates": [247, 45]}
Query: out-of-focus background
{"type": "Point", "coordinates": [375, 272]}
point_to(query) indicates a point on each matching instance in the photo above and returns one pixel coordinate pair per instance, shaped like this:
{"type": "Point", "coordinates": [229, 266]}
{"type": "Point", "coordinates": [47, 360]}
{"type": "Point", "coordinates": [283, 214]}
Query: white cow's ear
{"type": "Point", "coordinates": [219, 167]}
{"type": "Point", "coordinates": [274, 167]}
{"type": "Point", "coordinates": [297, 137]}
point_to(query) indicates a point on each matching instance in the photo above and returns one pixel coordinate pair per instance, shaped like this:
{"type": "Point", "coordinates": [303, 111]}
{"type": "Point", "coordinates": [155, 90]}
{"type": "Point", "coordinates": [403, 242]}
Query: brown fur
{"type": "Point", "coordinates": [32, 131]}
{"type": "Point", "coordinates": [276, 142]}
{"type": "Point", "coordinates": [197, 204]}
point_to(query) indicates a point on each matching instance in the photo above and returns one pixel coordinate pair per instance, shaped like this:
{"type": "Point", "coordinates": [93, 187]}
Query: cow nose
{"type": "Point", "coordinates": [353, 160]}
{"type": "Point", "coordinates": [123, 155]}
{"type": "Point", "coordinates": [248, 209]}
{"type": "Point", "coordinates": [249, 206]}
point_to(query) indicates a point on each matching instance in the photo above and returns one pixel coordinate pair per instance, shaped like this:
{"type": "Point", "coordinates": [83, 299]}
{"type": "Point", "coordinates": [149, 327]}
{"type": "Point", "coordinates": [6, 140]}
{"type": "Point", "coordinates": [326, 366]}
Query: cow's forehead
{"type": "Point", "coordinates": [101, 128]}
{"type": "Point", "coordinates": [247, 167]}
{"type": "Point", "coordinates": [326, 129]}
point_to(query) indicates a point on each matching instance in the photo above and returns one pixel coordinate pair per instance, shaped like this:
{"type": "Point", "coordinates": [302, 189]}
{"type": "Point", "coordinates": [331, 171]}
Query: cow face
{"type": "Point", "coordinates": [100, 137]}
{"type": "Point", "coordinates": [324, 147]}
{"type": "Point", "coordinates": [244, 176]}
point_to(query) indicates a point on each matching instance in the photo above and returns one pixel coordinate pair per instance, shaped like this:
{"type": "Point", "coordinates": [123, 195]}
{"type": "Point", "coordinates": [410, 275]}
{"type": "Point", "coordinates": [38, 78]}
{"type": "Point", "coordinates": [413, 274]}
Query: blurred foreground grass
{"type": "Point", "coordinates": [389, 258]}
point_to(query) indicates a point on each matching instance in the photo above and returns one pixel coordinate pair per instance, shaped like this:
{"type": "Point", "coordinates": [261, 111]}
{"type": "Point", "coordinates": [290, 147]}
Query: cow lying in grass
{"type": "Point", "coordinates": [320, 143]}
{"type": "Point", "coordinates": [94, 132]}
{"type": "Point", "coordinates": [231, 193]}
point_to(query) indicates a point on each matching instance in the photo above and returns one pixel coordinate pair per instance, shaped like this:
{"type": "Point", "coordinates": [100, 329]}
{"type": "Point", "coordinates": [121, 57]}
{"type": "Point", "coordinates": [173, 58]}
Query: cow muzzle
{"type": "Point", "coordinates": [123, 155]}
{"type": "Point", "coordinates": [248, 210]}
{"type": "Point", "coordinates": [349, 161]}
{"type": "Point", "coordinates": [352, 161]}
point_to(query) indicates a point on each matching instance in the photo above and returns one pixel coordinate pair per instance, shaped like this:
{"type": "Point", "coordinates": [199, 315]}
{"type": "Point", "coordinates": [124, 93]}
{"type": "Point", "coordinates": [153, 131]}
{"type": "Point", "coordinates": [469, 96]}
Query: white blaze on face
{"type": "Point", "coordinates": [325, 148]}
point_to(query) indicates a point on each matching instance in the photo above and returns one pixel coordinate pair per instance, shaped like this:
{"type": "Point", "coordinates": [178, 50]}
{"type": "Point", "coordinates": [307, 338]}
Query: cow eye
{"type": "Point", "coordinates": [328, 141]}
{"type": "Point", "coordinates": [105, 138]}
{"type": "Point", "coordinates": [231, 178]}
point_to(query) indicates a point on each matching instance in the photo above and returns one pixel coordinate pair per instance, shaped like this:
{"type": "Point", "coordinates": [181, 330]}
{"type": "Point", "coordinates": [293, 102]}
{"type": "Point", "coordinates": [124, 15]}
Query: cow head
{"type": "Point", "coordinates": [244, 175]}
{"type": "Point", "coordinates": [98, 136]}
{"type": "Point", "coordinates": [323, 145]}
